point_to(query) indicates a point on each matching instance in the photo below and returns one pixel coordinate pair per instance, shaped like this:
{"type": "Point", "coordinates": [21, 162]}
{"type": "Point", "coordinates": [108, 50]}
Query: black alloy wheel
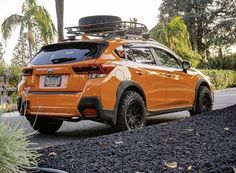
{"type": "Point", "coordinates": [131, 112]}
{"type": "Point", "coordinates": [204, 101]}
{"type": "Point", "coordinates": [134, 117]}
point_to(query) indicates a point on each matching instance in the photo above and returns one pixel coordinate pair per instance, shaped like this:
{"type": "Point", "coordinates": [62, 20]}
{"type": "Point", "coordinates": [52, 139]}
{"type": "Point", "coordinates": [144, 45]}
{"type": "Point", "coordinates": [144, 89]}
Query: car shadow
{"type": "Point", "coordinates": [70, 132]}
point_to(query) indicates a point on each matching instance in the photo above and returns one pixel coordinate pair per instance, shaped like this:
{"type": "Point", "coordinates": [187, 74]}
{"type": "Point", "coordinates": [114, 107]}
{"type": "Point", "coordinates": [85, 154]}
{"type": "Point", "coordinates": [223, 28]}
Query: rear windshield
{"type": "Point", "coordinates": [68, 53]}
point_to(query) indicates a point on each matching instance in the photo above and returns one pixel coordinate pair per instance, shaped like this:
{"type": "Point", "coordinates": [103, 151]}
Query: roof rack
{"type": "Point", "coordinates": [109, 30]}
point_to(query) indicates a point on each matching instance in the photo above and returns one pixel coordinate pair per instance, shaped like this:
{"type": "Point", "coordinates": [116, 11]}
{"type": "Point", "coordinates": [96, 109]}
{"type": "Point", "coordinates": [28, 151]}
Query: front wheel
{"type": "Point", "coordinates": [44, 124]}
{"type": "Point", "coordinates": [131, 112]}
{"type": "Point", "coordinates": [203, 102]}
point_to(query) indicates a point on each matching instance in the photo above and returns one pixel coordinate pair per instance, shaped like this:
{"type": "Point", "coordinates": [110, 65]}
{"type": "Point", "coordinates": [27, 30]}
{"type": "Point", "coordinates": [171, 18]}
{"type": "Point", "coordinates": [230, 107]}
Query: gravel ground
{"type": "Point", "coordinates": [205, 143]}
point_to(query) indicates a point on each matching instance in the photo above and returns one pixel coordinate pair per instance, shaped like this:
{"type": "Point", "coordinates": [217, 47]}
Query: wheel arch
{"type": "Point", "coordinates": [130, 86]}
{"type": "Point", "coordinates": [201, 82]}
{"type": "Point", "coordinates": [127, 86]}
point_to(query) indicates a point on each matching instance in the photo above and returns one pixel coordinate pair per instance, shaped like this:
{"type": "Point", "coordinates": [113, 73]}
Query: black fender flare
{"type": "Point", "coordinates": [120, 90]}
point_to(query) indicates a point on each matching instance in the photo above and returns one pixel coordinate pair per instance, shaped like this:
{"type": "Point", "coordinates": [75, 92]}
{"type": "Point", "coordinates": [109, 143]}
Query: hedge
{"type": "Point", "coordinates": [221, 79]}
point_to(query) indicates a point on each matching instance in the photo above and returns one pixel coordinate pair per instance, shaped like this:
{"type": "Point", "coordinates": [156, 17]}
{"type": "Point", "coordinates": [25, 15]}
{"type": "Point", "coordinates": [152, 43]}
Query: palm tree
{"type": "Point", "coordinates": [33, 16]}
{"type": "Point", "coordinates": [60, 18]}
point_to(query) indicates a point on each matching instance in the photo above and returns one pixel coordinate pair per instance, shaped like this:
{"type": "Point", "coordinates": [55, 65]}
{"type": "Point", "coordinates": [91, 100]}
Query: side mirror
{"type": "Point", "coordinates": [186, 65]}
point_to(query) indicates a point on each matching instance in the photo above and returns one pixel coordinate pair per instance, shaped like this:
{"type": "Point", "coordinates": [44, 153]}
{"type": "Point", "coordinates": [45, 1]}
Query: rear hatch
{"type": "Point", "coordinates": [55, 67]}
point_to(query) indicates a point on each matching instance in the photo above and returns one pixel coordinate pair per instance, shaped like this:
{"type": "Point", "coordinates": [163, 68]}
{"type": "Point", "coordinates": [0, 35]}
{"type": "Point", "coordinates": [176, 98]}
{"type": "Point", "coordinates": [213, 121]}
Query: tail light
{"type": "Point", "coordinates": [27, 71]}
{"type": "Point", "coordinates": [94, 71]}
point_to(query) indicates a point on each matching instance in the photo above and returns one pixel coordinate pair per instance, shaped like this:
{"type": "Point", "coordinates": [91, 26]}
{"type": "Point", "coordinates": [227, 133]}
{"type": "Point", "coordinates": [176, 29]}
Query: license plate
{"type": "Point", "coordinates": [52, 81]}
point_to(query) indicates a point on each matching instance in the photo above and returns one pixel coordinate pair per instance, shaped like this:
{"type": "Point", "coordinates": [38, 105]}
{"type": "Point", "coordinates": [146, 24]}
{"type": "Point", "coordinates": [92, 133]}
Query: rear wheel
{"type": "Point", "coordinates": [203, 101]}
{"type": "Point", "coordinates": [44, 124]}
{"type": "Point", "coordinates": [131, 112]}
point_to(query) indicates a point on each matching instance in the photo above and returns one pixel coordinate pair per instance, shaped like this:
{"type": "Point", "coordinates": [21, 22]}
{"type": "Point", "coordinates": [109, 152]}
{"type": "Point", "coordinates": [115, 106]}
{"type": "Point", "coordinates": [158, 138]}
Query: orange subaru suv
{"type": "Point", "coordinates": [108, 71]}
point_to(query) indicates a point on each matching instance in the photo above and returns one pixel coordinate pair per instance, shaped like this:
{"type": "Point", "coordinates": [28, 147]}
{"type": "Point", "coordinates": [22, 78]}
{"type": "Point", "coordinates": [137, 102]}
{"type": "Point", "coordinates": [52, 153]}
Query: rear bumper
{"type": "Point", "coordinates": [54, 104]}
{"type": "Point", "coordinates": [101, 114]}
{"type": "Point", "coordinates": [71, 104]}
{"type": "Point", "coordinates": [69, 107]}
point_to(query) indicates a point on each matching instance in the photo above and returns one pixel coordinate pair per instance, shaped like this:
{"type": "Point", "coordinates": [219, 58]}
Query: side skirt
{"type": "Point", "coordinates": [154, 113]}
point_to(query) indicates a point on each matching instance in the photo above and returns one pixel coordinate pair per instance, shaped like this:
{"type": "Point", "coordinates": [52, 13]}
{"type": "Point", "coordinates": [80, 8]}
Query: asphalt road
{"type": "Point", "coordinates": [85, 129]}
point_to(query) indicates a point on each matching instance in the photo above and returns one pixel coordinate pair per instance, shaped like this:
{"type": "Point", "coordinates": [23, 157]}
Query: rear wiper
{"type": "Point", "coordinates": [61, 60]}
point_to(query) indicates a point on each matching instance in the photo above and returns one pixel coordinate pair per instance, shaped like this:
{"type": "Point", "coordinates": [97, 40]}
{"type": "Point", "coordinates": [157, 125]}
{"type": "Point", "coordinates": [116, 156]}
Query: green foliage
{"type": "Point", "coordinates": [1, 54]}
{"type": "Point", "coordinates": [221, 79]}
{"type": "Point", "coordinates": [20, 53]}
{"type": "Point", "coordinates": [15, 150]}
{"type": "Point", "coordinates": [209, 22]}
{"type": "Point", "coordinates": [190, 55]}
{"type": "Point", "coordinates": [227, 62]}
{"type": "Point", "coordinates": [177, 34]}
{"type": "Point", "coordinates": [174, 34]}
{"type": "Point", "coordinates": [14, 97]}
{"type": "Point", "coordinates": [2, 69]}
{"type": "Point", "coordinates": [33, 16]}
{"type": "Point", "coordinates": [15, 76]}
{"type": "Point", "coordinates": [158, 33]}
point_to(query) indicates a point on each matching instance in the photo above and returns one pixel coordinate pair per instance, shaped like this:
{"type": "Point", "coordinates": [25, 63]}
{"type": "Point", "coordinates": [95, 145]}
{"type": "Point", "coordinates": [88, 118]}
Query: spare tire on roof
{"type": "Point", "coordinates": [99, 23]}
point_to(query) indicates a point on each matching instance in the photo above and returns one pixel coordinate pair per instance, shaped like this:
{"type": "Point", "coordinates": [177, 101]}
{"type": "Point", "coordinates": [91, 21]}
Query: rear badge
{"type": "Point", "coordinates": [50, 71]}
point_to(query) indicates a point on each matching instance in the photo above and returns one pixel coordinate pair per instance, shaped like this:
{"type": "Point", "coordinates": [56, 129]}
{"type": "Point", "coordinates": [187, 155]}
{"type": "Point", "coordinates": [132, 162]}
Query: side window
{"type": "Point", "coordinates": [140, 55]}
{"type": "Point", "coordinates": [129, 54]}
{"type": "Point", "coordinates": [166, 59]}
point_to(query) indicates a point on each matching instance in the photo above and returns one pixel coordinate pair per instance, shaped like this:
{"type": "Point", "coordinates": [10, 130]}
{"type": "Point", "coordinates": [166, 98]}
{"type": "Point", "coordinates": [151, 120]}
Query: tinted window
{"type": "Point", "coordinates": [129, 54]}
{"type": "Point", "coordinates": [166, 59]}
{"type": "Point", "coordinates": [67, 53]}
{"type": "Point", "coordinates": [140, 55]}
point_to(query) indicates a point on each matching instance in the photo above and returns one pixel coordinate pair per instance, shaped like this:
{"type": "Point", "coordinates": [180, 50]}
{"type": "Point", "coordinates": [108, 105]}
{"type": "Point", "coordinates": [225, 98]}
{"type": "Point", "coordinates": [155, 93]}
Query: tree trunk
{"type": "Point", "coordinates": [30, 50]}
{"type": "Point", "coordinates": [220, 53]}
{"type": "Point", "coordinates": [30, 39]}
{"type": "Point", "coordinates": [60, 18]}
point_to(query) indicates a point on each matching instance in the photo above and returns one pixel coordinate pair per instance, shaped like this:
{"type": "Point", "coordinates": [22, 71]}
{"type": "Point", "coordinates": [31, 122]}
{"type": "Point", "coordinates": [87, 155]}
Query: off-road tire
{"type": "Point", "coordinates": [130, 100]}
{"type": "Point", "coordinates": [44, 124]}
{"type": "Point", "coordinates": [203, 102]}
{"type": "Point", "coordinates": [93, 20]}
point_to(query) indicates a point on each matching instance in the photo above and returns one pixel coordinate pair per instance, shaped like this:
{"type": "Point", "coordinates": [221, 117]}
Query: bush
{"type": "Point", "coordinates": [221, 63]}
{"type": "Point", "coordinates": [15, 151]}
{"type": "Point", "coordinates": [221, 79]}
{"type": "Point", "coordinates": [190, 55]}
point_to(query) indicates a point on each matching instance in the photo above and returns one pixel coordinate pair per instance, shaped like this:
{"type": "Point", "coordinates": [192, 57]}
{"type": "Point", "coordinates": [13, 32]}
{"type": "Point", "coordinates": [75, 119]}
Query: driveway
{"type": "Point", "coordinates": [73, 131]}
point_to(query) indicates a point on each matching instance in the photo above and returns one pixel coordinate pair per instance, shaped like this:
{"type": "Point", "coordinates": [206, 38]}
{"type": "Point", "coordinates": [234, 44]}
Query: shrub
{"type": "Point", "coordinates": [190, 55]}
{"type": "Point", "coordinates": [224, 63]}
{"type": "Point", "coordinates": [15, 150]}
{"type": "Point", "coordinates": [221, 79]}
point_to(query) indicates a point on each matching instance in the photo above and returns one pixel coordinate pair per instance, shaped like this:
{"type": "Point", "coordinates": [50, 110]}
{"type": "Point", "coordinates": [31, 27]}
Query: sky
{"type": "Point", "coordinates": [146, 11]}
